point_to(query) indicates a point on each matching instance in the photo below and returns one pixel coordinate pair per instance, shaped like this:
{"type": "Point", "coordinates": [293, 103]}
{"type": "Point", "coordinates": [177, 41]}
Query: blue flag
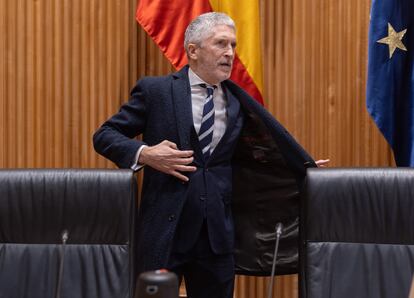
{"type": "Point", "coordinates": [390, 87]}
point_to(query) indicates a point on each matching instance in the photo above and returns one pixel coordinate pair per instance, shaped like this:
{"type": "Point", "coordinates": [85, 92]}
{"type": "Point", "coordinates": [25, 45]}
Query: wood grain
{"type": "Point", "coordinates": [66, 66]}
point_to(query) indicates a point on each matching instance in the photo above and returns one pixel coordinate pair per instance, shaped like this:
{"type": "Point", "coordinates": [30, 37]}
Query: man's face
{"type": "Point", "coordinates": [212, 60]}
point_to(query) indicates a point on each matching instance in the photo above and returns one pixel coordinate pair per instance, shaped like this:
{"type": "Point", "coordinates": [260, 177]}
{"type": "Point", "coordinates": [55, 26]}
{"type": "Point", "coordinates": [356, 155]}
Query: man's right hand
{"type": "Point", "coordinates": [166, 158]}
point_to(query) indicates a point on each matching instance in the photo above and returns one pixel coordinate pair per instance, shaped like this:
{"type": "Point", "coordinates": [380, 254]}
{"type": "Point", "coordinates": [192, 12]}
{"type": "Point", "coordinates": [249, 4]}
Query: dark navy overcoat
{"type": "Point", "coordinates": [268, 167]}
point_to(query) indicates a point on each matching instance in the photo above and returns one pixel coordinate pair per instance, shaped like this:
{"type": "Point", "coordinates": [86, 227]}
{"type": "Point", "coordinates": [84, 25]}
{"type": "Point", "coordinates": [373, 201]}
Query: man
{"type": "Point", "coordinates": [203, 137]}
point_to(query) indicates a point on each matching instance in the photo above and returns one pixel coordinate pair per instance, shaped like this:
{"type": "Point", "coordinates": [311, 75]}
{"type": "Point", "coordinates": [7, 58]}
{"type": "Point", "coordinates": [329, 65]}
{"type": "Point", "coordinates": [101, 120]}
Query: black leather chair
{"type": "Point", "coordinates": [96, 207]}
{"type": "Point", "coordinates": [358, 233]}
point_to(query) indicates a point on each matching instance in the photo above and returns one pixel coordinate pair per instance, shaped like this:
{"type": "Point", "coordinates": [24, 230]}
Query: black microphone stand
{"type": "Point", "coordinates": [65, 236]}
{"type": "Point", "coordinates": [278, 228]}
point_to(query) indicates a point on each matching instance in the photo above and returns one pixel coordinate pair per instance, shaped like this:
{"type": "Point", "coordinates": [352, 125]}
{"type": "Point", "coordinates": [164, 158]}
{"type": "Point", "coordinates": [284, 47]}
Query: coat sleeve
{"type": "Point", "coordinates": [115, 139]}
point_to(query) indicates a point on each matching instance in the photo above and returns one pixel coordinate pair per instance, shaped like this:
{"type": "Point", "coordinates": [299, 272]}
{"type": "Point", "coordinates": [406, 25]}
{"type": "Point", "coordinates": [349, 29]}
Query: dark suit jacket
{"type": "Point", "coordinates": [257, 164]}
{"type": "Point", "coordinates": [208, 194]}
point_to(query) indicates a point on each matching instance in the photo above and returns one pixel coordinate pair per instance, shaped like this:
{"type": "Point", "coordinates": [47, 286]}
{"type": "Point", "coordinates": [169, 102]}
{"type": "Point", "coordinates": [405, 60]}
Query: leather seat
{"type": "Point", "coordinates": [96, 207]}
{"type": "Point", "coordinates": [358, 233]}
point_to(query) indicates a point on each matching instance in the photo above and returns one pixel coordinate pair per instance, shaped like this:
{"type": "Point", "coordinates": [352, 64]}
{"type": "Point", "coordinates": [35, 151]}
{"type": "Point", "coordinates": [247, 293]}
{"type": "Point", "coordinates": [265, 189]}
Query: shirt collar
{"type": "Point", "coordinates": [194, 78]}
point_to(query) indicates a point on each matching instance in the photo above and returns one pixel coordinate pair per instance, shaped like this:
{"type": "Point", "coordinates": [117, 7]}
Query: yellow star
{"type": "Point", "coordinates": [393, 40]}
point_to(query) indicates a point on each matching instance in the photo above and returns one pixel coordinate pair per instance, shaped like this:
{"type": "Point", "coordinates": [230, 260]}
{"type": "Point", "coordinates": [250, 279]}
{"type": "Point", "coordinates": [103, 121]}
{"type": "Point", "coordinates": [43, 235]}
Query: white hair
{"type": "Point", "coordinates": [202, 26]}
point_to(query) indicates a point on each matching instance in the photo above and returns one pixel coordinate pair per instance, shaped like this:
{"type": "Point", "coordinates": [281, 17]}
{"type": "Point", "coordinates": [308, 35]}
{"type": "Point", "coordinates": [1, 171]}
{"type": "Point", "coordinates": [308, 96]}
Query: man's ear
{"type": "Point", "coordinates": [192, 51]}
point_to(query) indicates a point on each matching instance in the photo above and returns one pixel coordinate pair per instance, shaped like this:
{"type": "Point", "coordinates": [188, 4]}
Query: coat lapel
{"type": "Point", "coordinates": [233, 108]}
{"type": "Point", "coordinates": [181, 94]}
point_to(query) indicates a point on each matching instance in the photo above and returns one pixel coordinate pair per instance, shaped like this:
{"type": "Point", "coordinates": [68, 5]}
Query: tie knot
{"type": "Point", "coordinates": [210, 88]}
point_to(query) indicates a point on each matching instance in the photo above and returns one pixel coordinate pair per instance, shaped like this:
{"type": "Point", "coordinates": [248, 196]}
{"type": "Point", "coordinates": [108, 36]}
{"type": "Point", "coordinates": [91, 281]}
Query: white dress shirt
{"type": "Point", "coordinates": [198, 96]}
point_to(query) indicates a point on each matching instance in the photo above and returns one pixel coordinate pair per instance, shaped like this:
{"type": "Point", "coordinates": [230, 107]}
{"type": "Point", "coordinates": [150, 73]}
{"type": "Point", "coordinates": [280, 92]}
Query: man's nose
{"type": "Point", "coordinates": [229, 51]}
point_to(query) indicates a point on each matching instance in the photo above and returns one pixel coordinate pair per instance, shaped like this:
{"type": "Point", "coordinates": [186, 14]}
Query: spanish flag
{"type": "Point", "coordinates": [166, 20]}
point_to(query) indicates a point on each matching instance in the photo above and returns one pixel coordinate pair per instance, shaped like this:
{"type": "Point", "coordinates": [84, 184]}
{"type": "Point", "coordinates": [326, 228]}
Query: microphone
{"type": "Point", "coordinates": [279, 228]}
{"type": "Point", "coordinates": [157, 284]}
{"type": "Point", "coordinates": [279, 231]}
{"type": "Point", "coordinates": [64, 237]}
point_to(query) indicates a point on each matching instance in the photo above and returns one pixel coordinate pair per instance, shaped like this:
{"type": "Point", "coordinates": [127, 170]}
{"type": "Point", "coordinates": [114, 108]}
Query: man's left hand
{"type": "Point", "coordinates": [322, 163]}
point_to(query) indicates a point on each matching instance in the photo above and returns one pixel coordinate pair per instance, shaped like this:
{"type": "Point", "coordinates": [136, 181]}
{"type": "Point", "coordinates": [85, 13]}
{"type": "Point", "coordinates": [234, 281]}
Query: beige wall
{"type": "Point", "coordinates": [65, 66]}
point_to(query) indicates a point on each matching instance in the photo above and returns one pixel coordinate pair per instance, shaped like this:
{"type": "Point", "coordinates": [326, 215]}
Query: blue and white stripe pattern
{"type": "Point", "coordinates": [205, 135]}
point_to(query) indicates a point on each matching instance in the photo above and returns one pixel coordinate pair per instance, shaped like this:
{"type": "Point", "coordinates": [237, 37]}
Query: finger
{"type": "Point", "coordinates": [169, 144]}
{"type": "Point", "coordinates": [179, 176]}
{"type": "Point", "coordinates": [182, 161]}
{"type": "Point", "coordinates": [184, 153]}
{"type": "Point", "coordinates": [185, 168]}
{"type": "Point", "coordinates": [322, 161]}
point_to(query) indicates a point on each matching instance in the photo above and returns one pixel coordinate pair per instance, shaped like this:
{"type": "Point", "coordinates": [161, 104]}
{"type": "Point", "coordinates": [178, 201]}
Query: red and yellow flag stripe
{"type": "Point", "coordinates": [165, 21]}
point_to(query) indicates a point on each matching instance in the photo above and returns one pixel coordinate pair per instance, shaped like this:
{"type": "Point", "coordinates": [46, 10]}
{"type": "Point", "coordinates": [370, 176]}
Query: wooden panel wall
{"type": "Point", "coordinates": [315, 56]}
{"type": "Point", "coordinates": [66, 65]}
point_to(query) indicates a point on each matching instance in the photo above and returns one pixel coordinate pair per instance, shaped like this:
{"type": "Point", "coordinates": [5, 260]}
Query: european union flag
{"type": "Point", "coordinates": [390, 87]}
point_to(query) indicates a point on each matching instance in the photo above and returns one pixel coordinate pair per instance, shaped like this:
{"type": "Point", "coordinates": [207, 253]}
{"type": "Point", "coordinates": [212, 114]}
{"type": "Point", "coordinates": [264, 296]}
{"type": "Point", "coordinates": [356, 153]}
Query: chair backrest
{"type": "Point", "coordinates": [96, 207]}
{"type": "Point", "coordinates": [358, 233]}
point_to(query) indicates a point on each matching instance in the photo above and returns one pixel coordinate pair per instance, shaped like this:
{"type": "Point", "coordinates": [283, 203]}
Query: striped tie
{"type": "Point", "coordinates": [205, 135]}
